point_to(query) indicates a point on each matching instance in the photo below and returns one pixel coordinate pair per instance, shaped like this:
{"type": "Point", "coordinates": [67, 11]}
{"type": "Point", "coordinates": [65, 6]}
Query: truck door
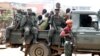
{"type": "Point", "coordinates": [88, 37]}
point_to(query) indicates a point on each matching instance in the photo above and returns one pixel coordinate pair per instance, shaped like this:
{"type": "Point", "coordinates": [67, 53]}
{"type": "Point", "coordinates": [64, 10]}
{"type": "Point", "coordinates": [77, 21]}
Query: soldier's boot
{"type": "Point", "coordinates": [23, 45]}
{"type": "Point", "coordinates": [50, 35]}
{"type": "Point", "coordinates": [49, 42]}
{"type": "Point", "coordinates": [21, 48]}
{"type": "Point", "coordinates": [35, 38]}
{"type": "Point", "coordinates": [62, 41]}
{"type": "Point", "coordinates": [7, 35]}
{"type": "Point", "coordinates": [27, 47]}
{"type": "Point", "coordinates": [35, 32]}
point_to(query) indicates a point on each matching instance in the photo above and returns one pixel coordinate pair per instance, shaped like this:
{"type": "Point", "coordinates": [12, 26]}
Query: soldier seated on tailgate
{"type": "Point", "coordinates": [15, 23]}
{"type": "Point", "coordinates": [30, 28]}
{"type": "Point", "coordinates": [44, 23]}
{"type": "Point", "coordinates": [40, 21]}
{"type": "Point", "coordinates": [29, 25]}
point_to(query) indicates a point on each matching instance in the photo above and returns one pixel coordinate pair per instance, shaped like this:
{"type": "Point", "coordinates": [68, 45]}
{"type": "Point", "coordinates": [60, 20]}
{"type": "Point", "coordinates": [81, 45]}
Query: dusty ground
{"type": "Point", "coordinates": [17, 52]}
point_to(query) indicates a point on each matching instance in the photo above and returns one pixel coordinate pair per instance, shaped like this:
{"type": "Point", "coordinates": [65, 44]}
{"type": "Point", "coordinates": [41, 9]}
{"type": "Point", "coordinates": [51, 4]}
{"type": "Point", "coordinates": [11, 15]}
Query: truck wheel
{"type": "Point", "coordinates": [68, 49]}
{"type": "Point", "coordinates": [39, 49]}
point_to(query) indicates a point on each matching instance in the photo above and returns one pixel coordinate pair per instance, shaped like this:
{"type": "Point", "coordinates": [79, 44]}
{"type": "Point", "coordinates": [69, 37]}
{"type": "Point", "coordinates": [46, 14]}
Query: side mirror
{"type": "Point", "coordinates": [95, 25]}
{"type": "Point", "coordinates": [98, 14]}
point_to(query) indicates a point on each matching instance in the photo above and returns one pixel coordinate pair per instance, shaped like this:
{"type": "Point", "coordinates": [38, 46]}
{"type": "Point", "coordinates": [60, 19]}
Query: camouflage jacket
{"type": "Point", "coordinates": [28, 21]}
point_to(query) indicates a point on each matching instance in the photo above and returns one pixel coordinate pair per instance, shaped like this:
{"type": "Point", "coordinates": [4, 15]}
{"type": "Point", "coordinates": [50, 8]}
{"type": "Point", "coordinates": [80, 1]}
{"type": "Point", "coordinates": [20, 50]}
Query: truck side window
{"type": "Point", "coordinates": [85, 20]}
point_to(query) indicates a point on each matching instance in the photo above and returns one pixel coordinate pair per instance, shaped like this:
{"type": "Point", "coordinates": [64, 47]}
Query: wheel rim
{"type": "Point", "coordinates": [39, 51]}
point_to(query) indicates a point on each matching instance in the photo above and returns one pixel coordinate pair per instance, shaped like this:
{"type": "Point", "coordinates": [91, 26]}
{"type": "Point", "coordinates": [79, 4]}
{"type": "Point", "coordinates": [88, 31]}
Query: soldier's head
{"type": "Point", "coordinates": [58, 5]}
{"type": "Point", "coordinates": [51, 13]}
{"type": "Point", "coordinates": [69, 23]}
{"type": "Point", "coordinates": [67, 10]}
{"type": "Point", "coordinates": [40, 17]}
{"type": "Point", "coordinates": [29, 10]}
{"type": "Point", "coordinates": [47, 15]}
{"type": "Point", "coordinates": [33, 14]}
{"type": "Point", "coordinates": [19, 11]}
{"type": "Point", "coordinates": [57, 11]}
{"type": "Point", "coordinates": [44, 11]}
{"type": "Point", "coordinates": [24, 13]}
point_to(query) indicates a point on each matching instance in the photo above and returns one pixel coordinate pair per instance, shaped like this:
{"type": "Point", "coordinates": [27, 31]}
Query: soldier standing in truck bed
{"type": "Point", "coordinates": [58, 6]}
{"type": "Point", "coordinates": [29, 24]}
{"type": "Point", "coordinates": [55, 22]}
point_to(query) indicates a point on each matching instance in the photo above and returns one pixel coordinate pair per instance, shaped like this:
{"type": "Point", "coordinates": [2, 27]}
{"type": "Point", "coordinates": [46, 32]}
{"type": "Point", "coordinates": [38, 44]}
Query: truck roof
{"type": "Point", "coordinates": [84, 12]}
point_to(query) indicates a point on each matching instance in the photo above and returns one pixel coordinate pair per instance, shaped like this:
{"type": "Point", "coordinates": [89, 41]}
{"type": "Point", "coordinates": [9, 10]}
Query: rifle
{"type": "Point", "coordinates": [17, 25]}
{"type": "Point", "coordinates": [17, 22]}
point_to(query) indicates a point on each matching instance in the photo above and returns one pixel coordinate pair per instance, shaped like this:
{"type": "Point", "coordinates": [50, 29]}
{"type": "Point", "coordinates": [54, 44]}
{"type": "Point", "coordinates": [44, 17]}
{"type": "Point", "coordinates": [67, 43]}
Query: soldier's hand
{"type": "Point", "coordinates": [68, 35]}
{"type": "Point", "coordinates": [15, 29]}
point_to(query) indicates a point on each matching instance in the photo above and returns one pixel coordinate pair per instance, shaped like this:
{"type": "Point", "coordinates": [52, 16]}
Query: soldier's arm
{"type": "Point", "coordinates": [51, 22]}
{"type": "Point", "coordinates": [63, 34]}
{"type": "Point", "coordinates": [22, 22]}
{"type": "Point", "coordinates": [62, 20]}
{"type": "Point", "coordinates": [35, 21]}
{"type": "Point", "coordinates": [63, 23]}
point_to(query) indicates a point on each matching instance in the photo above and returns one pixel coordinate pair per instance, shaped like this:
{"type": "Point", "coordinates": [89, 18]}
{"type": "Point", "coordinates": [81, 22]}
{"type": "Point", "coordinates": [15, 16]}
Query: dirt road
{"type": "Point", "coordinates": [17, 52]}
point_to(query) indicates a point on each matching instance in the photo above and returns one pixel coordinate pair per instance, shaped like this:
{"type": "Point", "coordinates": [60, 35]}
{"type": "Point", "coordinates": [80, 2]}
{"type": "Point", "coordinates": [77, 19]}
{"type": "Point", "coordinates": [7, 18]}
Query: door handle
{"type": "Point", "coordinates": [81, 33]}
{"type": "Point", "coordinates": [97, 34]}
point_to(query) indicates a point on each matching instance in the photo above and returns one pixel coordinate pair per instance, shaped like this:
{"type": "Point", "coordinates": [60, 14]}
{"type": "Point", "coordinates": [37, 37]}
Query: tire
{"type": "Point", "coordinates": [68, 49]}
{"type": "Point", "coordinates": [39, 49]}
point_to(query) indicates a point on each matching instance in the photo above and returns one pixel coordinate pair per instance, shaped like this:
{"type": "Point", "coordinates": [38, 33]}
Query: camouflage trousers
{"type": "Point", "coordinates": [52, 32]}
{"type": "Point", "coordinates": [30, 34]}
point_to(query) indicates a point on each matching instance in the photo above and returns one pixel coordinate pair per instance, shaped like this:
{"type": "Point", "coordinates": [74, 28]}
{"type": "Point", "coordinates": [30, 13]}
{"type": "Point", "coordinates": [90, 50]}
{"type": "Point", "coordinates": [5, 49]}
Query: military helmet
{"type": "Point", "coordinates": [58, 5]}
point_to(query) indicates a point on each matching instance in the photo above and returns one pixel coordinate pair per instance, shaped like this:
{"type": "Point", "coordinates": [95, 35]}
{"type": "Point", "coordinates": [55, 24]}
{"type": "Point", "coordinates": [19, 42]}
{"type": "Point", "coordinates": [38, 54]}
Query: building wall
{"type": "Point", "coordinates": [5, 5]}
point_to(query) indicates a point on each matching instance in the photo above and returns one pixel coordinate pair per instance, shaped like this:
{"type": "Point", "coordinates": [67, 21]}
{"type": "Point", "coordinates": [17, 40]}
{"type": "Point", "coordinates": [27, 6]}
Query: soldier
{"type": "Point", "coordinates": [44, 12]}
{"type": "Point", "coordinates": [66, 33]}
{"type": "Point", "coordinates": [18, 17]}
{"type": "Point", "coordinates": [22, 31]}
{"type": "Point", "coordinates": [68, 14]}
{"type": "Point", "coordinates": [51, 14]}
{"type": "Point", "coordinates": [61, 12]}
{"type": "Point", "coordinates": [15, 23]}
{"type": "Point", "coordinates": [40, 21]}
{"type": "Point", "coordinates": [29, 25]}
{"type": "Point", "coordinates": [55, 24]}
{"type": "Point", "coordinates": [44, 24]}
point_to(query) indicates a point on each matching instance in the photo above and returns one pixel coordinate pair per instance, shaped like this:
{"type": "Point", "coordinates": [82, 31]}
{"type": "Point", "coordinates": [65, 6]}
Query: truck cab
{"type": "Point", "coordinates": [86, 28]}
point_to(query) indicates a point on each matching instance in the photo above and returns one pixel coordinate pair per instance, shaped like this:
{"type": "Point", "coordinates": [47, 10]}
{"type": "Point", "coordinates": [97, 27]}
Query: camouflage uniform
{"type": "Point", "coordinates": [56, 23]}
{"type": "Point", "coordinates": [15, 24]}
{"type": "Point", "coordinates": [30, 22]}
